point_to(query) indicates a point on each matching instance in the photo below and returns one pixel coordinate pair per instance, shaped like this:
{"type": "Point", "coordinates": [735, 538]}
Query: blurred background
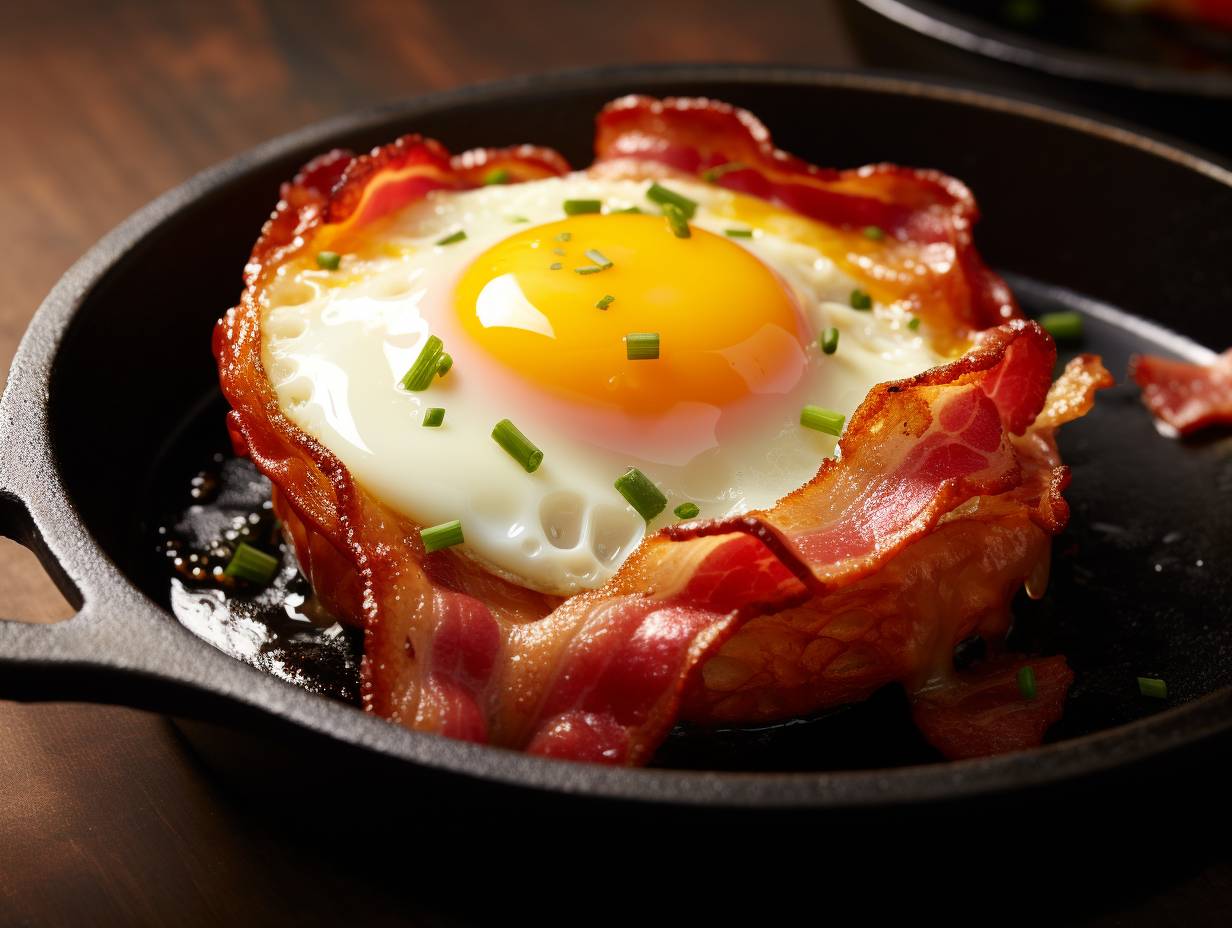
{"type": "Point", "coordinates": [106, 105]}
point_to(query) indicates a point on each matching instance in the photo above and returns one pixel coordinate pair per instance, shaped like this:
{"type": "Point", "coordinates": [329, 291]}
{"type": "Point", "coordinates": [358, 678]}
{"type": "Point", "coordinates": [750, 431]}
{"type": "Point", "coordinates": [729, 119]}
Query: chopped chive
{"type": "Point", "coordinates": [642, 346]}
{"type": "Point", "coordinates": [598, 257]}
{"type": "Point", "coordinates": [1026, 682]}
{"type": "Point", "coordinates": [520, 448]}
{"type": "Point", "coordinates": [823, 420]}
{"type": "Point", "coordinates": [251, 564]}
{"type": "Point", "coordinates": [677, 220]}
{"type": "Point", "coordinates": [686, 511]}
{"type": "Point", "coordinates": [1153, 687]}
{"type": "Point", "coordinates": [445, 535]}
{"type": "Point", "coordinates": [452, 238]}
{"type": "Point", "coordinates": [605, 302]}
{"type": "Point", "coordinates": [1062, 326]}
{"type": "Point", "coordinates": [328, 260]}
{"type": "Point", "coordinates": [641, 493]}
{"type": "Point", "coordinates": [564, 236]}
{"type": "Point", "coordinates": [665, 197]}
{"type": "Point", "coordinates": [874, 233]}
{"type": "Point", "coordinates": [555, 266]}
{"type": "Point", "coordinates": [587, 269]}
{"type": "Point", "coordinates": [433, 417]}
{"type": "Point", "coordinates": [861, 300]}
{"type": "Point", "coordinates": [496, 176]}
{"type": "Point", "coordinates": [829, 340]}
{"type": "Point", "coordinates": [634, 210]}
{"type": "Point", "coordinates": [518, 219]}
{"type": "Point", "coordinates": [712, 175]}
{"type": "Point", "coordinates": [425, 367]}
{"type": "Point", "coordinates": [738, 233]}
{"type": "Point", "coordinates": [914, 324]}
{"type": "Point", "coordinates": [578, 207]}
{"type": "Point", "coordinates": [444, 364]}
{"type": "Point", "coordinates": [558, 251]}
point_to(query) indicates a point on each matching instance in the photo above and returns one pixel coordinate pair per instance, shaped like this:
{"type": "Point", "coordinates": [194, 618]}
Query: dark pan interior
{"type": "Point", "coordinates": [1140, 233]}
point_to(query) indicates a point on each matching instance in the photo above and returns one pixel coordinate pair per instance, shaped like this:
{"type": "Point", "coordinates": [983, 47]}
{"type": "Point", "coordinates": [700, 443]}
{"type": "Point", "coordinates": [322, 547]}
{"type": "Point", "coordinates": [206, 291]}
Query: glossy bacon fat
{"type": "Point", "coordinates": [939, 506]}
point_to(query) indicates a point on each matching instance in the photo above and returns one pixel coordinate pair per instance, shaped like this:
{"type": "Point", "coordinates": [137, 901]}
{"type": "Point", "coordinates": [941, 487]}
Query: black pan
{"type": "Point", "coordinates": [1171, 75]}
{"type": "Point", "coordinates": [115, 370]}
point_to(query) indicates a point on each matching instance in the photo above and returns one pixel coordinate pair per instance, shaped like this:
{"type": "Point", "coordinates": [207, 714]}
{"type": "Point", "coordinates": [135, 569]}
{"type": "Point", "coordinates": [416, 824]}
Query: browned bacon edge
{"type": "Point", "coordinates": [603, 675]}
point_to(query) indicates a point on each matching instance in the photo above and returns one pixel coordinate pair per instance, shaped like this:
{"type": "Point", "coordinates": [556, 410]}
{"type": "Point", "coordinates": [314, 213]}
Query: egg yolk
{"type": "Point", "coordinates": [727, 325]}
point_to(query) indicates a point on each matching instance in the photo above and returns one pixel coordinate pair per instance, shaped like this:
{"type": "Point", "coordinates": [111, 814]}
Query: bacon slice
{"type": "Point", "coordinates": [939, 505]}
{"type": "Point", "coordinates": [1188, 397]}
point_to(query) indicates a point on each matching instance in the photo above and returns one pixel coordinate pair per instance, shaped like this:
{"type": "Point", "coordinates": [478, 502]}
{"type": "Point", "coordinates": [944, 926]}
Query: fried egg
{"type": "Point", "coordinates": [535, 304]}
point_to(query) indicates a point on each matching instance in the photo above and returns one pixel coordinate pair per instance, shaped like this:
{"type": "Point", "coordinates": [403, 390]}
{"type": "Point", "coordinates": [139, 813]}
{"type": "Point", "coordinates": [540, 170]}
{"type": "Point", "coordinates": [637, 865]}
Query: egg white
{"type": "Point", "coordinates": [337, 343]}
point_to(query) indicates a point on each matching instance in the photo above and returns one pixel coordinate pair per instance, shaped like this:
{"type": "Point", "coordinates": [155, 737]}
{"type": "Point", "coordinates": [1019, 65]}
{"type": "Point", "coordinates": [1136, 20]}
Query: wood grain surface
{"type": "Point", "coordinates": [106, 817]}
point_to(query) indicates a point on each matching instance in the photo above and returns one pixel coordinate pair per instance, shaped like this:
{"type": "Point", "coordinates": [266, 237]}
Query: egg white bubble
{"type": "Point", "coordinates": [337, 343]}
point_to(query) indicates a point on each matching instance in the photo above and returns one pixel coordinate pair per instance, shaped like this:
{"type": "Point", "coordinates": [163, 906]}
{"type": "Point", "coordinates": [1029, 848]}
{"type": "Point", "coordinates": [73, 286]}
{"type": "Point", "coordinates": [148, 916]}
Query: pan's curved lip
{"type": "Point", "coordinates": [955, 29]}
{"type": "Point", "coordinates": [57, 516]}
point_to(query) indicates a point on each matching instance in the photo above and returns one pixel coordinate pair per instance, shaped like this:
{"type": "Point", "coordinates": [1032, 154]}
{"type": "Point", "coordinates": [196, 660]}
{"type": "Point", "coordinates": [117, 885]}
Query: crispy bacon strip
{"type": "Point", "coordinates": [926, 216]}
{"type": "Point", "coordinates": [938, 507]}
{"type": "Point", "coordinates": [1188, 397]}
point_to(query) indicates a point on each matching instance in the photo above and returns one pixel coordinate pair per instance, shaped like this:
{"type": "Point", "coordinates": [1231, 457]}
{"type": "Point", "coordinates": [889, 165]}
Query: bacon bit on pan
{"type": "Point", "coordinates": [1188, 397]}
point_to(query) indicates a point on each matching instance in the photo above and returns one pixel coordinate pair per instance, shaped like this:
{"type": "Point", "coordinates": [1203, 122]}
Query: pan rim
{"type": "Point", "coordinates": [957, 30]}
{"type": "Point", "coordinates": [1067, 760]}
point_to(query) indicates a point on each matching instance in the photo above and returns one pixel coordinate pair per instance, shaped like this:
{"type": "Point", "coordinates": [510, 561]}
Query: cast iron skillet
{"type": "Point", "coordinates": [1171, 75]}
{"type": "Point", "coordinates": [1083, 215]}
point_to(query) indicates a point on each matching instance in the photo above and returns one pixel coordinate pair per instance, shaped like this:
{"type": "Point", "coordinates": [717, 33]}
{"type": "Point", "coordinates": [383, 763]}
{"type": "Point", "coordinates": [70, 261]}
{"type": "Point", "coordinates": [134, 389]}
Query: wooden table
{"type": "Point", "coordinates": [105, 815]}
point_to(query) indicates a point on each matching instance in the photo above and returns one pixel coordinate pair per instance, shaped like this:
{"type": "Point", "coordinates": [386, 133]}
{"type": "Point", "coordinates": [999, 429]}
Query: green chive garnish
{"type": "Point", "coordinates": [328, 260]}
{"type": "Point", "coordinates": [452, 238]}
{"type": "Point", "coordinates": [861, 300]}
{"type": "Point", "coordinates": [520, 448]}
{"type": "Point", "coordinates": [605, 302]}
{"type": "Point", "coordinates": [433, 417]}
{"type": "Point", "coordinates": [249, 563]}
{"type": "Point", "coordinates": [445, 535]}
{"type": "Point", "coordinates": [738, 233]}
{"type": "Point", "coordinates": [636, 210]}
{"type": "Point", "coordinates": [419, 377]}
{"type": "Point", "coordinates": [914, 324]}
{"type": "Point", "coordinates": [640, 493]}
{"type": "Point", "coordinates": [829, 340]}
{"type": "Point", "coordinates": [555, 266]}
{"type": "Point", "coordinates": [1062, 326]}
{"type": "Point", "coordinates": [677, 220]}
{"type": "Point", "coordinates": [1026, 682]}
{"type": "Point", "coordinates": [665, 197]}
{"type": "Point", "coordinates": [823, 420]}
{"type": "Point", "coordinates": [599, 259]}
{"type": "Point", "coordinates": [686, 511]}
{"type": "Point", "coordinates": [642, 346]}
{"type": "Point", "coordinates": [1153, 687]}
{"type": "Point", "coordinates": [496, 176]}
{"type": "Point", "coordinates": [518, 219]}
{"type": "Point", "coordinates": [875, 233]}
{"type": "Point", "coordinates": [558, 251]}
{"type": "Point", "coordinates": [564, 236]}
{"type": "Point", "coordinates": [587, 269]}
{"type": "Point", "coordinates": [444, 364]}
{"type": "Point", "coordinates": [578, 207]}
{"type": "Point", "coordinates": [712, 175]}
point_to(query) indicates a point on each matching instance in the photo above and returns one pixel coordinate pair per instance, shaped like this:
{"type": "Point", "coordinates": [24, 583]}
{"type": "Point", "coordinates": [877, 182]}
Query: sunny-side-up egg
{"type": "Point", "coordinates": [534, 305]}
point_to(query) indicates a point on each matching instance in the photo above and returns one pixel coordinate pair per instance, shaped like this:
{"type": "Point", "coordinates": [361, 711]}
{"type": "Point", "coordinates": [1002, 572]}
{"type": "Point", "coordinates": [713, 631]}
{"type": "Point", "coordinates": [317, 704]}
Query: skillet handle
{"type": "Point", "coordinates": [35, 657]}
